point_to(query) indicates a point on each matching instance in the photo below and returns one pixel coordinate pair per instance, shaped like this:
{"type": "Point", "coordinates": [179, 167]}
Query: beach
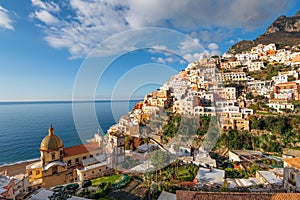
{"type": "Point", "coordinates": [16, 168]}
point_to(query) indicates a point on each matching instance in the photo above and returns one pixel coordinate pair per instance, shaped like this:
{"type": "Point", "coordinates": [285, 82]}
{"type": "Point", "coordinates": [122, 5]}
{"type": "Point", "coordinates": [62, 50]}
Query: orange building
{"type": "Point", "coordinates": [287, 90]}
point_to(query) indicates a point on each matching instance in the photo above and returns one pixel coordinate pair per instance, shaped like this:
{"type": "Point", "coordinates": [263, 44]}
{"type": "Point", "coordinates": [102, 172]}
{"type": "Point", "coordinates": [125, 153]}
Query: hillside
{"type": "Point", "coordinates": [284, 31]}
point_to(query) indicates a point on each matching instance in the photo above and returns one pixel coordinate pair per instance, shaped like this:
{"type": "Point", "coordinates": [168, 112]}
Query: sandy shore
{"type": "Point", "coordinates": [17, 168]}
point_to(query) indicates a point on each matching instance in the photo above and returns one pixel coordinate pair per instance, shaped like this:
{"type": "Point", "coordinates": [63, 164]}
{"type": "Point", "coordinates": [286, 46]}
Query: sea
{"type": "Point", "coordinates": [23, 125]}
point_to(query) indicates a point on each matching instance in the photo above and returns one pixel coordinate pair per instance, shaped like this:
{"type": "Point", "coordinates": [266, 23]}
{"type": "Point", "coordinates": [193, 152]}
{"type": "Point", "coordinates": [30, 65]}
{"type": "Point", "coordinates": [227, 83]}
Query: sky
{"type": "Point", "coordinates": [59, 50]}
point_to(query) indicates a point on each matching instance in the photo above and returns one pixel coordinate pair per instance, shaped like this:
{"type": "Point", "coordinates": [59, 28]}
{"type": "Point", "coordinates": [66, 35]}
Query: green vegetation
{"type": "Point", "coordinates": [272, 133]}
{"type": "Point", "coordinates": [128, 163]}
{"type": "Point", "coordinates": [278, 124]}
{"type": "Point", "coordinates": [235, 173]}
{"type": "Point", "coordinates": [270, 70]}
{"type": "Point", "coordinates": [172, 126]}
{"type": "Point", "coordinates": [160, 159]}
{"type": "Point", "coordinates": [187, 173]}
{"type": "Point", "coordinates": [109, 179]}
{"type": "Point", "coordinates": [235, 140]}
{"type": "Point", "coordinates": [99, 193]}
{"type": "Point", "coordinates": [182, 173]}
{"type": "Point", "coordinates": [203, 125]}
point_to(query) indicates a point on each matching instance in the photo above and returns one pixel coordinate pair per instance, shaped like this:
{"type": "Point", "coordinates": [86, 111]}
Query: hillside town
{"type": "Point", "coordinates": [223, 124]}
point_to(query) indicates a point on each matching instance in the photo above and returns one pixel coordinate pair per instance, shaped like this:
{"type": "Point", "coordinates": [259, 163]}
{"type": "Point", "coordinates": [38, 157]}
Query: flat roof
{"type": "Point", "coordinates": [210, 175]}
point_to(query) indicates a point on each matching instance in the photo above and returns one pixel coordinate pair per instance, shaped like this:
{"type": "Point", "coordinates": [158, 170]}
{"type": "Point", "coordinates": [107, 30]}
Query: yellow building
{"type": "Point", "coordinates": [59, 165]}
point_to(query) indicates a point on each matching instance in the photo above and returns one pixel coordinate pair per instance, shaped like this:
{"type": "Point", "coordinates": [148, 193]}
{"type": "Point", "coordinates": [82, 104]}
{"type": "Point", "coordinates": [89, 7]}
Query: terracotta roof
{"type": "Point", "coordinates": [287, 83]}
{"type": "Point", "coordinates": [194, 195]}
{"type": "Point", "coordinates": [295, 162]}
{"type": "Point", "coordinates": [286, 196]}
{"type": "Point", "coordinates": [80, 149]}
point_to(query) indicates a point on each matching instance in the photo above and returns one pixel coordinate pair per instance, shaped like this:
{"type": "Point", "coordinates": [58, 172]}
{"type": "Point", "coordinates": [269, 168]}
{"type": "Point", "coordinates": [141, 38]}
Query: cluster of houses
{"type": "Point", "coordinates": [282, 89]}
{"type": "Point", "coordinates": [269, 178]}
{"type": "Point", "coordinates": [199, 90]}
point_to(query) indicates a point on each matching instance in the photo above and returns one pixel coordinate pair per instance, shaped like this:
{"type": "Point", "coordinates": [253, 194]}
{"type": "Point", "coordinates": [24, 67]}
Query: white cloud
{"type": "Point", "coordinates": [5, 19]}
{"type": "Point", "coordinates": [88, 23]}
{"type": "Point", "coordinates": [45, 17]}
{"type": "Point", "coordinates": [50, 6]}
{"type": "Point", "coordinates": [166, 60]}
{"type": "Point", "coordinates": [214, 49]}
{"type": "Point", "coordinates": [189, 45]}
{"type": "Point", "coordinates": [190, 14]}
{"type": "Point", "coordinates": [213, 46]}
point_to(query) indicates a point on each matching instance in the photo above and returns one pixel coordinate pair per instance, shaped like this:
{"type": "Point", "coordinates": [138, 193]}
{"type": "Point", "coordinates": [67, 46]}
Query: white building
{"type": "Point", "coordinates": [255, 65]}
{"type": "Point", "coordinates": [185, 105]}
{"type": "Point", "coordinates": [280, 79]}
{"type": "Point", "coordinates": [279, 105]}
{"type": "Point", "coordinates": [210, 176]}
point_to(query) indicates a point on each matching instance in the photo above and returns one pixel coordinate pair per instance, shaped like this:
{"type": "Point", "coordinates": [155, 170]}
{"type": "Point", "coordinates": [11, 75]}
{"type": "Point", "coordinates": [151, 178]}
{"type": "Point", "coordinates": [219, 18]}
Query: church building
{"type": "Point", "coordinates": [59, 165]}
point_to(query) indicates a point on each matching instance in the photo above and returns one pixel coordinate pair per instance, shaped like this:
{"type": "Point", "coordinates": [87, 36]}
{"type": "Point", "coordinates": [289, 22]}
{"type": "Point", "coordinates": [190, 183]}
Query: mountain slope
{"type": "Point", "coordinates": [283, 31]}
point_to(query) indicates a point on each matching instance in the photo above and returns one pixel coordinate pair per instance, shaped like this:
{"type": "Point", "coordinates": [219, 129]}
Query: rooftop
{"type": "Point", "coordinates": [194, 195]}
{"type": "Point", "coordinates": [270, 177]}
{"type": "Point", "coordinates": [210, 176]}
{"type": "Point", "coordinates": [95, 166]}
{"type": "Point", "coordinates": [291, 152]}
{"type": "Point", "coordinates": [44, 194]}
{"type": "Point", "coordinates": [295, 162]}
{"type": "Point", "coordinates": [34, 165]}
{"type": "Point", "coordinates": [167, 196]}
{"type": "Point", "coordinates": [80, 149]}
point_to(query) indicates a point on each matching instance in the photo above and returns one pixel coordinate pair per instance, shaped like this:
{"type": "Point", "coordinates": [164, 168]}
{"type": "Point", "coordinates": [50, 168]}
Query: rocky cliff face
{"type": "Point", "coordinates": [283, 31]}
{"type": "Point", "coordinates": [285, 24]}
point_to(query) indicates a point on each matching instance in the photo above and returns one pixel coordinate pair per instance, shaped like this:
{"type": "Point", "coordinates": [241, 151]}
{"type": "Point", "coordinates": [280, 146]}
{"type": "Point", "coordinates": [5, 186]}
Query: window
{"type": "Point", "coordinates": [69, 162]}
{"type": "Point", "coordinates": [54, 170]}
{"type": "Point", "coordinates": [84, 157]}
{"type": "Point", "coordinates": [92, 172]}
{"type": "Point", "coordinates": [91, 156]}
{"type": "Point", "coordinates": [83, 174]}
{"type": "Point", "coordinates": [53, 156]}
{"type": "Point", "coordinates": [77, 161]}
{"type": "Point", "coordinates": [38, 172]}
{"type": "Point", "coordinates": [292, 178]}
{"type": "Point", "coordinates": [99, 170]}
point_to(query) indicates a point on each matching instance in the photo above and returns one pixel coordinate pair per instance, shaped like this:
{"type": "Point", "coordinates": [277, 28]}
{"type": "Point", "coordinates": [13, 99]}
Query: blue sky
{"type": "Point", "coordinates": [45, 44]}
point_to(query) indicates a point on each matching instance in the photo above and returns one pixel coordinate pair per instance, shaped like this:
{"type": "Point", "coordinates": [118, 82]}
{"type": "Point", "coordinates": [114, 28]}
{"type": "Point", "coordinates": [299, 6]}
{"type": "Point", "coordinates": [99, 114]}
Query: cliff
{"type": "Point", "coordinates": [284, 31]}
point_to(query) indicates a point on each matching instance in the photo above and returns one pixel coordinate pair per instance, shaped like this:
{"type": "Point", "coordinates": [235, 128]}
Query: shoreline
{"type": "Point", "coordinates": [16, 168]}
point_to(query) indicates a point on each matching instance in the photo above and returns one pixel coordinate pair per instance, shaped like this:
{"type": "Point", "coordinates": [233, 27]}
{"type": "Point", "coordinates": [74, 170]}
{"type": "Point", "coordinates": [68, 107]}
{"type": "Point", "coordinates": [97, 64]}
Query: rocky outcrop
{"type": "Point", "coordinates": [284, 31]}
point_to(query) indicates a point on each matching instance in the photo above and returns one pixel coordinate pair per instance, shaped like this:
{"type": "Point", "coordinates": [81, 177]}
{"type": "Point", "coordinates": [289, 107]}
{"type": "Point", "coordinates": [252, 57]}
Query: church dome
{"type": "Point", "coordinates": [51, 142]}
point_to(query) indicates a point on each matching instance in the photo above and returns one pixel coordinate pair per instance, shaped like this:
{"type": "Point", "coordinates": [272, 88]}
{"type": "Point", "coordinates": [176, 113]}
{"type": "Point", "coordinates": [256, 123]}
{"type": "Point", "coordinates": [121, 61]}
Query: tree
{"type": "Point", "coordinates": [253, 169]}
{"type": "Point", "coordinates": [62, 194]}
{"type": "Point", "coordinates": [159, 159]}
{"type": "Point", "coordinates": [249, 96]}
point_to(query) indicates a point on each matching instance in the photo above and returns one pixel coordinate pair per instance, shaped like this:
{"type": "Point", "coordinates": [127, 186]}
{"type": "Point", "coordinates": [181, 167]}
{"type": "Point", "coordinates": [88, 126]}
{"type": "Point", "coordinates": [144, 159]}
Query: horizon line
{"type": "Point", "coordinates": [67, 101]}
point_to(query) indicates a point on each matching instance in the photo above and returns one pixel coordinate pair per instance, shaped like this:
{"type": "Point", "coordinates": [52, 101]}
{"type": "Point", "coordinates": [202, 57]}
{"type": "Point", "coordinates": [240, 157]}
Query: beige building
{"type": "Point", "coordinates": [59, 165]}
{"type": "Point", "coordinates": [291, 173]}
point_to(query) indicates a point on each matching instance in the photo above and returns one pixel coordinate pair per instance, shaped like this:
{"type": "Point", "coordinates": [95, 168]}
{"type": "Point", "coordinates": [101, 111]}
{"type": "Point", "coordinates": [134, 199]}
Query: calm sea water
{"type": "Point", "coordinates": [24, 125]}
